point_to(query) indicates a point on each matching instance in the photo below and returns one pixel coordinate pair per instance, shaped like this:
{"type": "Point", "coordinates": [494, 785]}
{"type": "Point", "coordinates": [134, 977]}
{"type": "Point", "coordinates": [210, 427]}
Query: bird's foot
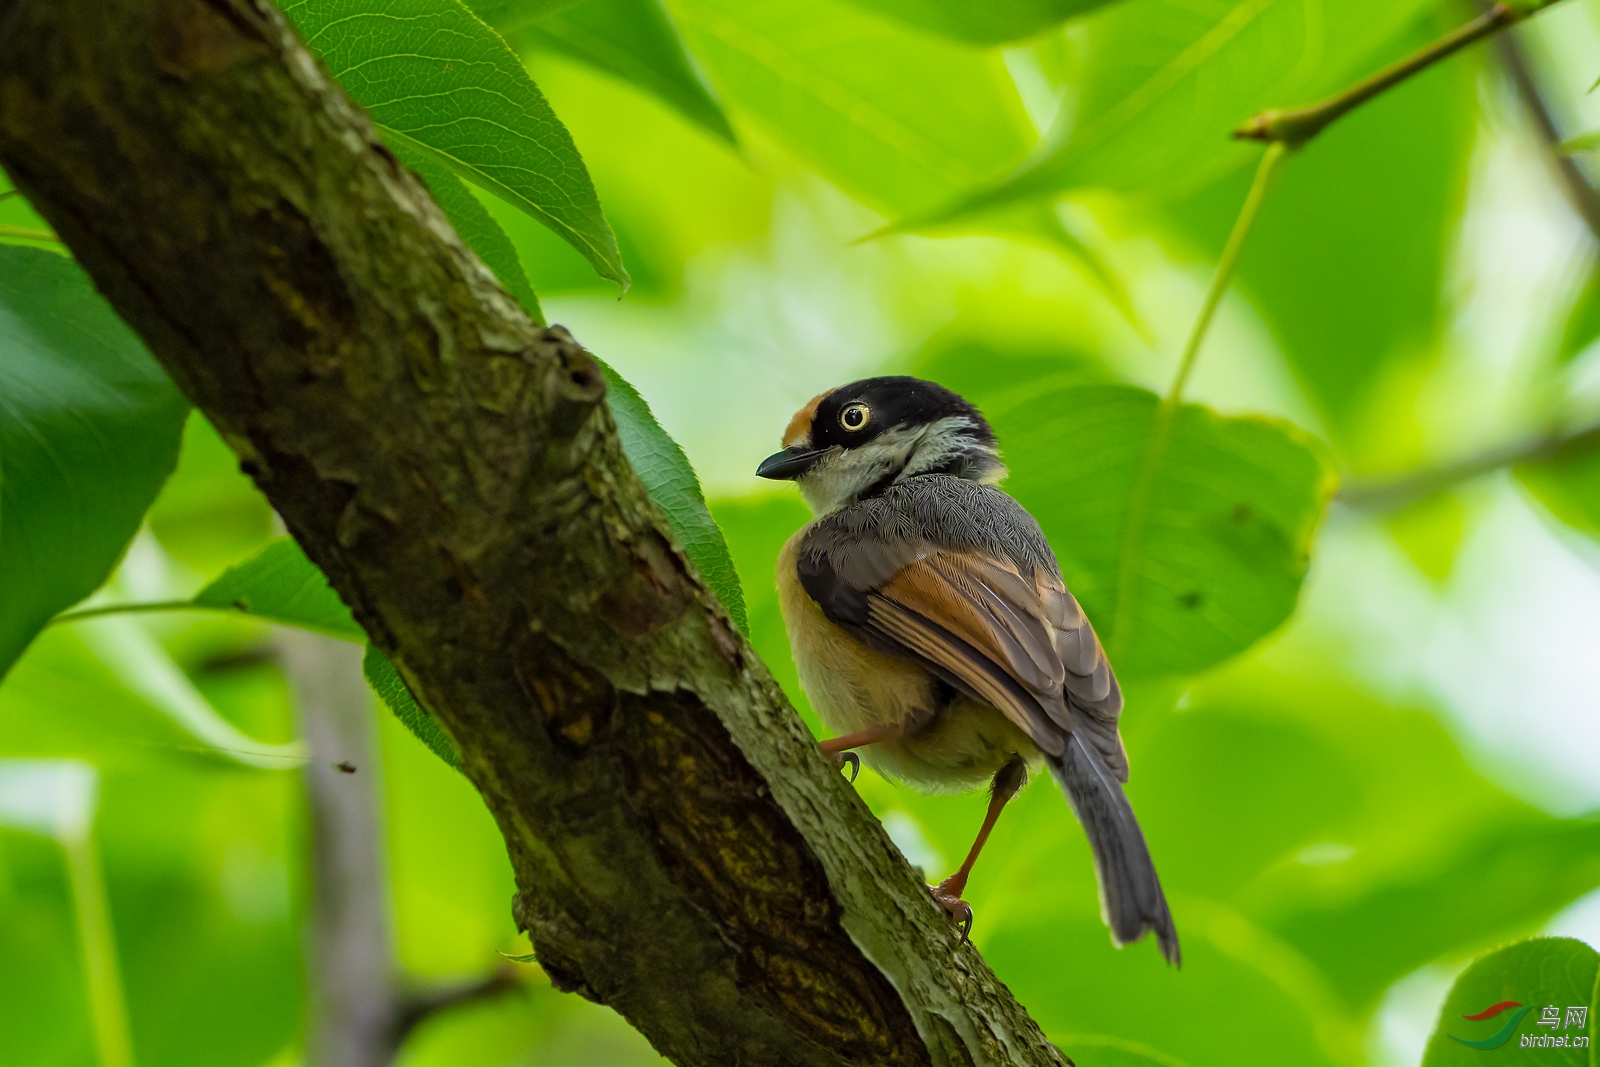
{"type": "Point", "coordinates": [947, 894]}
{"type": "Point", "coordinates": [847, 759]}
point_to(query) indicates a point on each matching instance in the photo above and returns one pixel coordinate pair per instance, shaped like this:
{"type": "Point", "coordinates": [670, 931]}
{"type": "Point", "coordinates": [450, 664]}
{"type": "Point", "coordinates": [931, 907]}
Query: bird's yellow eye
{"type": "Point", "coordinates": [855, 416]}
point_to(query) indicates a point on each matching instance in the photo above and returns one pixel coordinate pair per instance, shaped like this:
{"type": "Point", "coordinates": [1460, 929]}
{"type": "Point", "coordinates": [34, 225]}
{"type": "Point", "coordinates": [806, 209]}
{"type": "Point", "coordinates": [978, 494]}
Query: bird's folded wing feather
{"type": "Point", "coordinates": [1020, 644]}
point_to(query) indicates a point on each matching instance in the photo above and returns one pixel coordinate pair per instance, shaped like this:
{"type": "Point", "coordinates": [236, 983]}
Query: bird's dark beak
{"type": "Point", "coordinates": [789, 464]}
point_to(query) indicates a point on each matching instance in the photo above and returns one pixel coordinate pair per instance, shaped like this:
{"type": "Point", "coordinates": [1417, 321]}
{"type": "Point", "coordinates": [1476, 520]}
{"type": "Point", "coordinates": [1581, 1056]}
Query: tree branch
{"type": "Point", "coordinates": [1296, 126]}
{"type": "Point", "coordinates": [418, 1005]}
{"type": "Point", "coordinates": [683, 852]}
{"type": "Point", "coordinates": [352, 1000]}
{"type": "Point", "coordinates": [1580, 194]}
{"type": "Point", "coordinates": [1383, 496]}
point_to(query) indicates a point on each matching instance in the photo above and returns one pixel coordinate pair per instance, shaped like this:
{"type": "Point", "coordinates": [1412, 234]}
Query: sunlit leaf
{"type": "Point", "coordinates": [392, 690]}
{"type": "Point", "coordinates": [281, 584]}
{"type": "Point", "coordinates": [1523, 1002]}
{"type": "Point", "coordinates": [986, 23]}
{"type": "Point", "coordinates": [636, 41]}
{"type": "Point", "coordinates": [473, 224]}
{"type": "Point", "coordinates": [1232, 508]}
{"type": "Point", "coordinates": [431, 73]}
{"type": "Point", "coordinates": [89, 429]}
{"type": "Point", "coordinates": [673, 485]}
{"type": "Point", "coordinates": [898, 118]}
{"type": "Point", "coordinates": [1165, 82]}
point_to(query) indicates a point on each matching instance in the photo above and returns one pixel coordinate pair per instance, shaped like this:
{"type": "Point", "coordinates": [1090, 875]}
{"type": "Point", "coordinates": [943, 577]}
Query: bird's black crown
{"type": "Point", "coordinates": [893, 401]}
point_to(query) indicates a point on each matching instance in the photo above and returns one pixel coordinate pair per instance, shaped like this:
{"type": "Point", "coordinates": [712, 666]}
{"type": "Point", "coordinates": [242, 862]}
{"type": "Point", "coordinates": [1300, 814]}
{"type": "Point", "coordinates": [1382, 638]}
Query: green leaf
{"type": "Point", "coordinates": [1165, 82]}
{"type": "Point", "coordinates": [756, 529]}
{"type": "Point", "coordinates": [1582, 326]}
{"type": "Point", "coordinates": [899, 119]}
{"type": "Point", "coordinates": [509, 15]}
{"type": "Point", "coordinates": [473, 224]}
{"type": "Point", "coordinates": [431, 74]}
{"type": "Point", "coordinates": [1568, 483]}
{"type": "Point", "coordinates": [281, 584]}
{"type": "Point", "coordinates": [1400, 848]}
{"type": "Point", "coordinates": [1232, 511]}
{"type": "Point", "coordinates": [392, 690]}
{"type": "Point", "coordinates": [89, 429]}
{"type": "Point", "coordinates": [1353, 294]}
{"type": "Point", "coordinates": [1103, 1050]}
{"type": "Point", "coordinates": [987, 23]}
{"type": "Point", "coordinates": [636, 41]}
{"type": "Point", "coordinates": [1516, 988]}
{"type": "Point", "coordinates": [673, 485]}
{"type": "Point", "coordinates": [1197, 1013]}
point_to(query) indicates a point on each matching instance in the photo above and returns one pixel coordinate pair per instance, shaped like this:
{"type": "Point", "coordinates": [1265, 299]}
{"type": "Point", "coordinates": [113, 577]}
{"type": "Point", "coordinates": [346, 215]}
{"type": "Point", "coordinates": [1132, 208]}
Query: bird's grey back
{"type": "Point", "coordinates": [867, 542]}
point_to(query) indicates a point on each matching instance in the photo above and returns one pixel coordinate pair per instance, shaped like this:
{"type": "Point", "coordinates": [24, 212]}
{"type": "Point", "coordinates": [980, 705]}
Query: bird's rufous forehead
{"type": "Point", "coordinates": [800, 425]}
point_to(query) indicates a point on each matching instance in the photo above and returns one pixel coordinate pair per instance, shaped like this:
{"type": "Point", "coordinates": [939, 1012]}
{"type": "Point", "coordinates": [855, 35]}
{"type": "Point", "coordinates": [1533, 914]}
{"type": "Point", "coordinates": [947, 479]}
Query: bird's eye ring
{"type": "Point", "coordinates": [855, 417]}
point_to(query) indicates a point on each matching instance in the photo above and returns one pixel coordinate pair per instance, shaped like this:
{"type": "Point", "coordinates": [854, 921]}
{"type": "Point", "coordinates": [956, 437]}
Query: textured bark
{"type": "Point", "coordinates": [683, 852]}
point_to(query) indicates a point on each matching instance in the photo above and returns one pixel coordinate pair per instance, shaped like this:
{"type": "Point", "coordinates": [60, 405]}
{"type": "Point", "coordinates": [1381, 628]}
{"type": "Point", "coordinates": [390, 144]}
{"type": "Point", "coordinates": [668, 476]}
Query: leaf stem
{"type": "Point", "coordinates": [28, 233]}
{"type": "Point", "coordinates": [1167, 410]}
{"type": "Point", "coordinates": [108, 1010]}
{"type": "Point", "coordinates": [127, 609]}
{"type": "Point", "coordinates": [1265, 172]}
{"type": "Point", "coordinates": [1296, 126]}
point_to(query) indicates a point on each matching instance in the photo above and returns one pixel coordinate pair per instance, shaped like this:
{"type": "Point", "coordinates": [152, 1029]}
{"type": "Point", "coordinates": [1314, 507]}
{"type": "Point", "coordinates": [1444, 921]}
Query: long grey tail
{"type": "Point", "coordinates": [1131, 901]}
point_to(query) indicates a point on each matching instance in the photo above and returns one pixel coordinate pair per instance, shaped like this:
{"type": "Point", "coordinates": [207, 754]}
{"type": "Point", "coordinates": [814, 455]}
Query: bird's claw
{"type": "Point", "coordinates": [949, 898]}
{"type": "Point", "coordinates": [848, 759]}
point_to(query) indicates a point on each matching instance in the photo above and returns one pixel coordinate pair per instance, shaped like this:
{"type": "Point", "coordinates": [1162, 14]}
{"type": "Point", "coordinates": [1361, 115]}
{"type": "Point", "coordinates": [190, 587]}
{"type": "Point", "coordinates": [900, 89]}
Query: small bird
{"type": "Point", "coordinates": [933, 631]}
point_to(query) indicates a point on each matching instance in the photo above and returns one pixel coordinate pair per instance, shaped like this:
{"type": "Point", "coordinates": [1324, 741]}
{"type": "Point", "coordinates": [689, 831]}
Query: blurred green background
{"type": "Point", "coordinates": [1346, 807]}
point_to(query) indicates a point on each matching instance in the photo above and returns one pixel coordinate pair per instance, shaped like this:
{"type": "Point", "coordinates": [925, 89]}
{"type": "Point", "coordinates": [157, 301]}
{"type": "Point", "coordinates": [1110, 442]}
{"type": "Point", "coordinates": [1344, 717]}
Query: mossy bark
{"type": "Point", "coordinates": [683, 852]}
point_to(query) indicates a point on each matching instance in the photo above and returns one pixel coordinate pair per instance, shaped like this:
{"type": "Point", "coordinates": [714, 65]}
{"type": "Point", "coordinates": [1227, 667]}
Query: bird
{"type": "Point", "coordinates": [933, 632]}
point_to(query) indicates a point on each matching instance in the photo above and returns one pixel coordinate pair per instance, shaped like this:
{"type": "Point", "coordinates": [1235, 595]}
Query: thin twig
{"type": "Point", "coordinates": [1395, 494]}
{"type": "Point", "coordinates": [1166, 411]}
{"type": "Point", "coordinates": [1580, 194]}
{"type": "Point", "coordinates": [419, 1005]}
{"type": "Point", "coordinates": [1296, 126]}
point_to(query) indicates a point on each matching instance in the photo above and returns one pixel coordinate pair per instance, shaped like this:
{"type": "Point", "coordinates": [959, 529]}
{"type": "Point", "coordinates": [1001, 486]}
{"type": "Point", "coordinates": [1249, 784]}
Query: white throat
{"type": "Point", "coordinates": [841, 477]}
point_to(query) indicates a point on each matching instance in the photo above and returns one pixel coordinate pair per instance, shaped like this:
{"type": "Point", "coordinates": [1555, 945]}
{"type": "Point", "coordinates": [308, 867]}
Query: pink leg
{"type": "Point", "coordinates": [839, 747]}
{"type": "Point", "coordinates": [870, 735]}
{"type": "Point", "coordinates": [1007, 781]}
